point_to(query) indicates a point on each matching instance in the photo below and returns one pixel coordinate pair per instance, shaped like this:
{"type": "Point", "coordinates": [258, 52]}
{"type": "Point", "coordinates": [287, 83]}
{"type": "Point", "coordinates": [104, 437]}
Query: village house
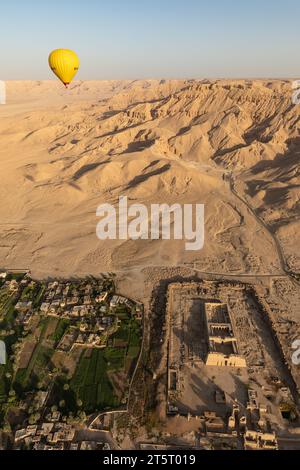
{"type": "Point", "coordinates": [120, 300]}
{"type": "Point", "coordinates": [24, 306]}
{"type": "Point", "coordinates": [254, 440]}
{"type": "Point", "coordinates": [13, 286]}
{"type": "Point", "coordinates": [102, 297]}
{"type": "Point", "coordinates": [44, 308]}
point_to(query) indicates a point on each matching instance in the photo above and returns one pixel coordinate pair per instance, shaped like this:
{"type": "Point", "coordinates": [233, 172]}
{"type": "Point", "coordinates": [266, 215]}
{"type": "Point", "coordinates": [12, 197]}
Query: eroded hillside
{"type": "Point", "coordinates": [182, 141]}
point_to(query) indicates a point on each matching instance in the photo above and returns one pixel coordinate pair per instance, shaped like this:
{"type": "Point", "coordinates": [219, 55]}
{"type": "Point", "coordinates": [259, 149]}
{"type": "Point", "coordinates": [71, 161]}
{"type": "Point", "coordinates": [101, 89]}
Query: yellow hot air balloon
{"type": "Point", "coordinates": [65, 64]}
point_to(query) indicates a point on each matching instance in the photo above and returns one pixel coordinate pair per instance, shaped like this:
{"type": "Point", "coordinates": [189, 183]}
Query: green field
{"type": "Point", "coordinates": [92, 380]}
{"type": "Point", "coordinates": [130, 333]}
{"type": "Point", "coordinates": [39, 364]}
{"type": "Point", "coordinates": [91, 383]}
{"type": "Point", "coordinates": [7, 308]}
{"type": "Point", "coordinates": [6, 371]}
{"type": "Point", "coordinates": [60, 330]}
{"type": "Point", "coordinates": [4, 383]}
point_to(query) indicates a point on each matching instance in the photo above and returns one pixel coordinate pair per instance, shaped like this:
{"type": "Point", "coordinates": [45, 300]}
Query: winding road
{"type": "Point", "coordinates": [284, 266]}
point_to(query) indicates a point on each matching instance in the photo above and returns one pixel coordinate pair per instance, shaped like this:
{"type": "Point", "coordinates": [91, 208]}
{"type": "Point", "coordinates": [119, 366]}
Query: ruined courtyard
{"type": "Point", "coordinates": [225, 369]}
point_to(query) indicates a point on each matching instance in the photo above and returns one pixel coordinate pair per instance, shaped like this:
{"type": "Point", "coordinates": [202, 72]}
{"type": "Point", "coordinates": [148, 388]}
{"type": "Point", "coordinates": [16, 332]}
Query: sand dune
{"type": "Point", "coordinates": [65, 152]}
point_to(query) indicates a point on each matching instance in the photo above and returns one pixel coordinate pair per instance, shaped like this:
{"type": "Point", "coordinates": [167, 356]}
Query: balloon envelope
{"type": "Point", "coordinates": [65, 64]}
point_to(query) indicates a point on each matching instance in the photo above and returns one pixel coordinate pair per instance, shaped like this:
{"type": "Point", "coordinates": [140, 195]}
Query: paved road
{"type": "Point", "coordinates": [96, 436]}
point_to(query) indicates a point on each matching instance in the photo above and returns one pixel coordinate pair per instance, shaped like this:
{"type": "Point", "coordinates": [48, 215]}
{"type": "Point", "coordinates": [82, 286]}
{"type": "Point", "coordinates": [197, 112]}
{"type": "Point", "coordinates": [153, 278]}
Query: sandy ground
{"type": "Point", "coordinates": [65, 152]}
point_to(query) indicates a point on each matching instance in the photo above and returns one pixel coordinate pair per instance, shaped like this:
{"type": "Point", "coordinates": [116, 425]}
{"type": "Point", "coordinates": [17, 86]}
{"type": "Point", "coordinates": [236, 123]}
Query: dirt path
{"type": "Point", "coordinates": [284, 266]}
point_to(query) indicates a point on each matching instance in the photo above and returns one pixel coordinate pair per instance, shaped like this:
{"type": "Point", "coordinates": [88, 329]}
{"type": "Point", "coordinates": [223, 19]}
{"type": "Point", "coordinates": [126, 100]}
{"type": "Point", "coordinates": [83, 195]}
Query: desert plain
{"type": "Point", "coordinates": [230, 145]}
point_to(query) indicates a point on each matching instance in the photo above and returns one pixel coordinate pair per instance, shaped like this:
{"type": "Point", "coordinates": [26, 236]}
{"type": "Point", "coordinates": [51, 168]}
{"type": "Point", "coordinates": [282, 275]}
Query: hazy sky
{"type": "Point", "coordinates": [153, 38]}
